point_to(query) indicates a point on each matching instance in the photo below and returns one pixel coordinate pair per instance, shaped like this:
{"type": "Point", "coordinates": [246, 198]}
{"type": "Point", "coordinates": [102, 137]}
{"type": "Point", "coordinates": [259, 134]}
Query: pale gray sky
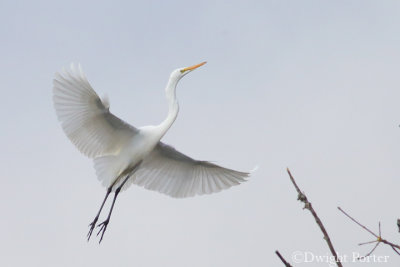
{"type": "Point", "coordinates": [309, 85]}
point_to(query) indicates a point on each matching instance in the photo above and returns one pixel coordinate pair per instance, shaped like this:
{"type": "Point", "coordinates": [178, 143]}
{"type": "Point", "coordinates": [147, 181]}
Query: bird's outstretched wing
{"type": "Point", "coordinates": [85, 118]}
{"type": "Point", "coordinates": [170, 172]}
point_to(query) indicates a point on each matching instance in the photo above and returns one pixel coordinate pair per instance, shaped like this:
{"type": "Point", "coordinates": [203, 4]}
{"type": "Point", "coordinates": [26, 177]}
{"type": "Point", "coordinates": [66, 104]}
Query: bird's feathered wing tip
{"type": "Point", "coordinates": [85, 118]}
{"type": "Point", "coordinates": [254, 169]}
{"type": "Point", "coordinates": [172, 173]}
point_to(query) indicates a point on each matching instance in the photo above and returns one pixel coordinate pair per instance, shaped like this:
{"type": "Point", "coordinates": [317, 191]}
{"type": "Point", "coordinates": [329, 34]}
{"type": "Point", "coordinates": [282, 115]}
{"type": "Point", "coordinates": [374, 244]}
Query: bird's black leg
{"type": "Point", "coordinates": [93, 224]}
{"type": "Point", "coordinates": [103, 225]}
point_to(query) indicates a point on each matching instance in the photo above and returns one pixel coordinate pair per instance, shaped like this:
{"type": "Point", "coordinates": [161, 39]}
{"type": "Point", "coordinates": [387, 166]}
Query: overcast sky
{"type": "Point", "coordinates": [309, 85]}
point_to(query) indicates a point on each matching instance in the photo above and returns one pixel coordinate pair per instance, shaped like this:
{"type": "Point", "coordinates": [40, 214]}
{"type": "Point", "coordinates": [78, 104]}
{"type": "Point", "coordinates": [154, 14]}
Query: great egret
{"type": "Point", "coordinates": [123, 154]}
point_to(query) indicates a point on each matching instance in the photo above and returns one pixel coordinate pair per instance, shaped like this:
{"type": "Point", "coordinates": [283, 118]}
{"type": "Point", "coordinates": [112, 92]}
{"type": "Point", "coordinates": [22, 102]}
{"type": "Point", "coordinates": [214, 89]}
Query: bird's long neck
{"type": "Point", "coordinates": [173, 107]}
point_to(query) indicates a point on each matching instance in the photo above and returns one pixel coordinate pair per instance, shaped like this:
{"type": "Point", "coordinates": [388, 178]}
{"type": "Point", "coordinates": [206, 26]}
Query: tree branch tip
{"type": "Point", "coordinates": [282, 259]}
{"type": "Point", "coordinates": [301, 196]}
{"type": "Point", "coordinates": [369, 242]}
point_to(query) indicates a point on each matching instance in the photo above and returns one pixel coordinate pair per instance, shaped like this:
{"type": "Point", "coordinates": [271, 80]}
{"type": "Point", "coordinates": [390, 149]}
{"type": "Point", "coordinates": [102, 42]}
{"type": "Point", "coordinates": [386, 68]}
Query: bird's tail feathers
{"type": "Point", "coordinates": [107, 169]}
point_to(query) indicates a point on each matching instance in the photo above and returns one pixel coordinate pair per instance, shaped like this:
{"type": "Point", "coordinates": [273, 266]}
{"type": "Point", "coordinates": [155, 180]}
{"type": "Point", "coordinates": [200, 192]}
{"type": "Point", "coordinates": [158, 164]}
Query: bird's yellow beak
{"type": "Point", "coordinates": [193, 67]}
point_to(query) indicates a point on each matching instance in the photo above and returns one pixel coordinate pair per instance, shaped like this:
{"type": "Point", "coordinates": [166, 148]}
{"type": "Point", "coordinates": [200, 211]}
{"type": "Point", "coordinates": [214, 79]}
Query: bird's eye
{"type": "Point", "coordinates": [183, 70]}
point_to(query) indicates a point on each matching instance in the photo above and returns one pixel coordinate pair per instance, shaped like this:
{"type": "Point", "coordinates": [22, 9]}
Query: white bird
{"type": "Point", "coordinates": [123, 154]}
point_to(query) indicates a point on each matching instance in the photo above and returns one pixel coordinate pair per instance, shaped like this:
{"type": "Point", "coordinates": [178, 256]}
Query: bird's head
{"type": "Point", "coordinates": [179, 73]}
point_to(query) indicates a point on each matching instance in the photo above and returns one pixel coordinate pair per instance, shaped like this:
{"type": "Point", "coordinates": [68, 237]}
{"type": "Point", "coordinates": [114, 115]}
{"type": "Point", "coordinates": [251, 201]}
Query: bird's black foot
{"type": "Point", "coordinates": [92, 225]}
{"type": "Point", "coordinates": [103, 228]}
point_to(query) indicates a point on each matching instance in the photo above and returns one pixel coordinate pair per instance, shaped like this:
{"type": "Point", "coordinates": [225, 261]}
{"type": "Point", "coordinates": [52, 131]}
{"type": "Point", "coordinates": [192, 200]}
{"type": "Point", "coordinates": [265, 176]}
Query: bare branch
{"type": "Point", "coordinates": [282, 259]}
{"type": "Point", "coordinates": [362, 257]}
{"type": "Point", "coordinates": [395, 250]}
{"type": "Point", "coordinates": [398, 224]}
{"type": "Point", "coordinates": [379, 238]}
{"type": "Point", "coordinates": [369, 242]}
{"type": "Point", "coordinates": [351, 218]}
{"type": "Point", "coordinates": [307, 205]}
{"type": "Point", "coordinates": [395, 247]}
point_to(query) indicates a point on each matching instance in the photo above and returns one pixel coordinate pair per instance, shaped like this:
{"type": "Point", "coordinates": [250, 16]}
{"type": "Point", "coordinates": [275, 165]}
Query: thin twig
{"type": "Point", "coordinates": [398, 224]}
{"type": "Point", "coordinates": [283, 259]}
{"type": "Point", "coordinates": [307, 205]}
{"type": "Point", "coordinates": [380, 233]}
{"type": "Point", "coordinates": [379, 238]}
{"type": "Point", "coordinates": [369, 242]}
{"type": "Point", "coordinates": [369, 253]}
{"type": "Point", "coordinates": [395, 250]}
{"type": "Point", "coordinates": [351, 218]}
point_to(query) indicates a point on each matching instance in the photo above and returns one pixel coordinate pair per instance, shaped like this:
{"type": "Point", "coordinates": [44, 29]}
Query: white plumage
{"type": "Point", "coordinates": [123, 154]}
